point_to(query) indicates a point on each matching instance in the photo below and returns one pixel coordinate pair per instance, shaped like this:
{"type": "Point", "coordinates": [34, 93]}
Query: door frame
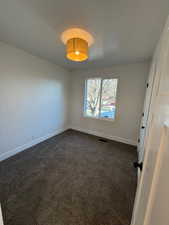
{"type": "Point", "coordinates": [146, 205]}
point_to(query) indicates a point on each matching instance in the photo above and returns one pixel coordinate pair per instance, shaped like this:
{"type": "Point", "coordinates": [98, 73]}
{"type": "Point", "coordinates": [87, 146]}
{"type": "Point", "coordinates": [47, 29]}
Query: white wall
{"type": "Point", "coordinates": [33, 100]}
{"type": "Point", "coordinates": [130, 98]}
{"type": "Point", "coordinates": [37, 98]}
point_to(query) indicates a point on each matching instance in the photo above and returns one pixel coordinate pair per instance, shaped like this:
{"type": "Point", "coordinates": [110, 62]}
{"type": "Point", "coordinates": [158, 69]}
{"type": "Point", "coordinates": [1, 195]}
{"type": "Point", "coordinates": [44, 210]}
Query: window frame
{"type": "Point", "coordinates": [85, 99]}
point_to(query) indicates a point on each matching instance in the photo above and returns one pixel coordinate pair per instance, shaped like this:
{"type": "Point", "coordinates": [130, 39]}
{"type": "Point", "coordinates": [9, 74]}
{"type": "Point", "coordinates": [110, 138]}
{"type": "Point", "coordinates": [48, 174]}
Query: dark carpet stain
{"type": "Point", "coordinates": [70, 179]}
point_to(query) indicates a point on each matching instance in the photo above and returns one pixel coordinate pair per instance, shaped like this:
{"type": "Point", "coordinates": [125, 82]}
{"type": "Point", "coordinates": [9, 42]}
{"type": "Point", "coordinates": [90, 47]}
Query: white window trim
{"type": "Point", "coordinates": [84, 99]}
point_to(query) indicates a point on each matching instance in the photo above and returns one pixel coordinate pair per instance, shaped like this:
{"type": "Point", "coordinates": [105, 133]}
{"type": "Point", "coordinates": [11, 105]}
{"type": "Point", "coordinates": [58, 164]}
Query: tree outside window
{"type": "Point", "coordinates": [100, 98]}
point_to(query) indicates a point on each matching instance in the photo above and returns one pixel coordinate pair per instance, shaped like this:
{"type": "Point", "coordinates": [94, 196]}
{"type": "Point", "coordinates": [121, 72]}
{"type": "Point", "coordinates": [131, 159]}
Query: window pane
{"type": "Point", "coordinates": [92, 100]}
{"type": "Point", "coordinates": [108, 99]}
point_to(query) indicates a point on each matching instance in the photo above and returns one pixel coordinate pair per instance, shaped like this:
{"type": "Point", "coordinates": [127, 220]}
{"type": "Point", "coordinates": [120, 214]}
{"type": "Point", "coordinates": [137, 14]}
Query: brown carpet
{"type": "Point", "coordinates": [70, 179]}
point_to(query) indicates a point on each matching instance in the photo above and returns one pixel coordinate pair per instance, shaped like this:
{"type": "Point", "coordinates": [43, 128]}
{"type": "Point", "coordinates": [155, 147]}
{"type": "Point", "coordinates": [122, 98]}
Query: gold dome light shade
{"type": "Point", "coordinates": [77, 42]}
{"type": "Point", "coordinates": [77, 49]}
{"type": "Point", "coordinates": [77, 33]}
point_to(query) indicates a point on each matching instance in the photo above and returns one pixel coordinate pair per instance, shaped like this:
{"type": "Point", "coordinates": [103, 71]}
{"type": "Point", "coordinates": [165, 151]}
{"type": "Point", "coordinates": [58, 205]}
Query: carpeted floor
{"type": "Point", "coordinates": [70, 179]}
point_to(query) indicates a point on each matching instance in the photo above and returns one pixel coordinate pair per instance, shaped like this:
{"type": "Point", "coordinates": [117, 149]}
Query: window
{"type": "Point", "coordinates": [100, 98]}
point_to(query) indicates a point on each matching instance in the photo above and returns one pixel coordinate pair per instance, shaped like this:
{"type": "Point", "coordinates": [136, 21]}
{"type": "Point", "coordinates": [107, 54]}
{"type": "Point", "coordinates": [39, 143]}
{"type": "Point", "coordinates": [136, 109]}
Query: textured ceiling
{"type": "Point", "coordinates": [125, 31]}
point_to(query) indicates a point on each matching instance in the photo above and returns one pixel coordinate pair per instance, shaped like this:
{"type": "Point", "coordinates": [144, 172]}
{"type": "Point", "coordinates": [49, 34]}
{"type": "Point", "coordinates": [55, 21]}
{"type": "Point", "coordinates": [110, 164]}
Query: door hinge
{"type": "Point", "coordinates": [138, 165]}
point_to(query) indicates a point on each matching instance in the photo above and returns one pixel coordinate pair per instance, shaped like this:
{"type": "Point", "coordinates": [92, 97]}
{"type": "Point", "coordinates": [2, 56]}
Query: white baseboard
{"type": "Point", "coordinates": [12, 152]}
{"type": "Point", "coordinates": [100, 134]}
{"type": "Point", "coordinates": [36, 141]}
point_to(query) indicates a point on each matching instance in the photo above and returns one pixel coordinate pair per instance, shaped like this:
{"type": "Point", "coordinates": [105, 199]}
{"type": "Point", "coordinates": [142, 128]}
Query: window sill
{"type": "Point", "coordinates": [98, 118]}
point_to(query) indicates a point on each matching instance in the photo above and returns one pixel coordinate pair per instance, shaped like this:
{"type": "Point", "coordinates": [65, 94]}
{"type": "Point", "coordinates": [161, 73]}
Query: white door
{"type": "Point", "coordinates": [158, 203]}
{"type": "Point", "coordinates": [1, 220]}
{"type": "Point", "coordinates": [152, 198]}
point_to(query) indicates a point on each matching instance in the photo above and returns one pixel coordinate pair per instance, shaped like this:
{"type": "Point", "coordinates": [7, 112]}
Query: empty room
{"type": "Point", "coordinates": [84, 112]}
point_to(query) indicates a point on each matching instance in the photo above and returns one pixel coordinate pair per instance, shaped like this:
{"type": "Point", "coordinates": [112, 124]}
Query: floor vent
{"type": "Point", "coordinates": [102, 140]}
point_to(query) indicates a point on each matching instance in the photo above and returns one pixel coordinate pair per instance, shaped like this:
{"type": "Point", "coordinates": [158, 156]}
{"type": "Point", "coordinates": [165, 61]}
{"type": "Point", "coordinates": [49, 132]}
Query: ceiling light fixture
{"type": "Point", "coordinates": [77, 42]}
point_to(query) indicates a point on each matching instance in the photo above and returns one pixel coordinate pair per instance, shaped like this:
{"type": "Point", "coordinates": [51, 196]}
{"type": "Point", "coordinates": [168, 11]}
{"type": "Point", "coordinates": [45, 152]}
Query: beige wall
{"type": "Point", "coordinates": [33, 100]}
{"type": "Point", "coordinates": [130, 98]}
